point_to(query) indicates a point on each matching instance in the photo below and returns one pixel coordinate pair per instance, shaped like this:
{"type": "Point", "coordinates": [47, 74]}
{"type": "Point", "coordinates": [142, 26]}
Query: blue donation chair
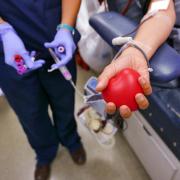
{"type": "Point", "coordinates": [153, 134]}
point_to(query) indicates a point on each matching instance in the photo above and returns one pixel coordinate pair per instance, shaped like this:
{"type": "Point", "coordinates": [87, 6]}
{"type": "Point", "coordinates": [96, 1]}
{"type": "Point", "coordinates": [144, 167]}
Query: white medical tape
{"type": "Point", "coordinates": [159, 5]}
{"type": "Point", "coordinates": [155, 8]}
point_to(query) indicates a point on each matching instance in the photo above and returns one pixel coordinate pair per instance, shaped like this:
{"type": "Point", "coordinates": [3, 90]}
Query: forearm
{"type": "Point", "coordinates": [1, 20]}
{"type": "Point", "coordinates": [156, 30]}
{"type": "Point", "coordinates": [70, 10]}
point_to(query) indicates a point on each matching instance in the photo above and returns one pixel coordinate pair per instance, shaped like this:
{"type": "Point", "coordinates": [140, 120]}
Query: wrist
{"type": "Point", "coordinates": [66, 27]}
{"type": "Point", "coordinates": [137, 53]}
{"type": "Point", "coordinates": [4, 28]}
{"type": "Point", "coordinates": [133, 52]}
{"type": "Point", "coordinates": [1, 21]}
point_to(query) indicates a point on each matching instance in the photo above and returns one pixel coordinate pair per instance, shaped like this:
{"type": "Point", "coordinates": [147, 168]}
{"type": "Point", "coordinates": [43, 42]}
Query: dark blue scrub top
{"type": "Point", "coordinates": [35, 21]}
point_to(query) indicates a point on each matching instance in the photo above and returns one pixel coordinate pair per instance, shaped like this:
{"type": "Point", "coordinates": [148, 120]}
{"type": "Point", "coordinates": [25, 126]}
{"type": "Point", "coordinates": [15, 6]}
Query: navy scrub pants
{"type": "Point", "coordinates": [30, 96]}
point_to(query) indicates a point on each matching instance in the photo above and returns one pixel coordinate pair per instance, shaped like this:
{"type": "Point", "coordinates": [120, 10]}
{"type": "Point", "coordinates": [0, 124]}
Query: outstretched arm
{"type": "Point", "coordinates": [150, 36]}
{"type": "Point", "coordinates": [156, 30]}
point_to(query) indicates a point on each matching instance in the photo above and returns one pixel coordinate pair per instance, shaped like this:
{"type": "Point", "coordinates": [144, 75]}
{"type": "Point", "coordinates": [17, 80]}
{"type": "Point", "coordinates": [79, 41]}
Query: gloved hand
{"type": "Point", "coordinates": [62, 38]}
{"type": "Point", "coordinates": [13, 46]}
{"type": "Point", "coordinates": [130, 58]}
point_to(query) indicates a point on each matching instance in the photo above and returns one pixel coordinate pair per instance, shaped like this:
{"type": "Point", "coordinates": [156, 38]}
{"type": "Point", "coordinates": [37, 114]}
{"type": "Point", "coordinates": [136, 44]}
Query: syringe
{"type": "Point", "coordinates": [64, 70]}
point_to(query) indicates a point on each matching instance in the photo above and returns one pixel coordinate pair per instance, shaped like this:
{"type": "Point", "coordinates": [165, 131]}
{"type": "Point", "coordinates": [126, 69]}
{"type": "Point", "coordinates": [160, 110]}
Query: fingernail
{"type": "Point", "coordinates": [140, 97]}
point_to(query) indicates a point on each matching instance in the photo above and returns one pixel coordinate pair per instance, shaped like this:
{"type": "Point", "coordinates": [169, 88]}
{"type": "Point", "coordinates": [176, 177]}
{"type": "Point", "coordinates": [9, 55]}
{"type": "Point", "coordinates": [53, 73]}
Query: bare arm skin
{"type": "Point", "coordinates": [152, 34]}
{"type": "Point", "coordinates": [70, 9]}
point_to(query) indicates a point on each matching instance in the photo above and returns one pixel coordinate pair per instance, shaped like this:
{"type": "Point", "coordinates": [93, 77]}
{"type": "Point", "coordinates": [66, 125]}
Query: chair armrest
{"type": "Point", "coordinates": [165, 62]}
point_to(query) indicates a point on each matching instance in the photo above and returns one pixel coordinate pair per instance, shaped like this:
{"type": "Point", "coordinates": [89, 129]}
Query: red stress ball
{"type": "Point", "coordinates": [122, 89]}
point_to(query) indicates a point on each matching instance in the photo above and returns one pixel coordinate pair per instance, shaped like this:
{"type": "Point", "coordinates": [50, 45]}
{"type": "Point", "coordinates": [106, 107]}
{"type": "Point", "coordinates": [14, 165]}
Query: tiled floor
{"type": "Point", "coordinates": [17, 158]}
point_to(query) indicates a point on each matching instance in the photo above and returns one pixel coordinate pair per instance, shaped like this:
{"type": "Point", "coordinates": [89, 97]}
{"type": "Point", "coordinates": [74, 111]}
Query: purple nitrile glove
{"type": "Point", "coordinates": [13, 46]}
{"type": "Point", "coordinates": [62, 38]}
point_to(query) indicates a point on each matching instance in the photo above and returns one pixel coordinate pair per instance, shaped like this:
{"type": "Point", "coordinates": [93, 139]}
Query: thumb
{"type": "Point", "coordinates": [32, 54]}
{"type": "Point", "coordinates": [110, 71]}
{"type": "Point", "coordinates": [38, 64]}
{"type": "Point", "coordinates": [105, 76]}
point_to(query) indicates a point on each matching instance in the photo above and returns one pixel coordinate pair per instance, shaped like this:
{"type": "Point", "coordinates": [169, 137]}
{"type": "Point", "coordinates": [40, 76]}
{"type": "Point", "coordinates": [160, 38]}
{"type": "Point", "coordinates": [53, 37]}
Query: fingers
{"type": "Point", "coordinates": [142, 104]}
{"type": "Point", "coordinates": [63, 62]}
{"type": "Point", "coordinates": [64, 58]}
{"type": "Point", "coordinates": [32, 65]}
{"type": "Point", "coordinates": [55, 67]}
{"type": "Point", "coordinates": [52, 44]}
{"type": "Point", "coordinates": [105, 76]}
{"type": "Point", "coordinates": [110, 108]}
{"type": "Point", "coordinates": [37, 65]}
{"type": "Point", "coordinates": [40, 61]}
{"type": "Point", "coordinates": [146, 86]}
{"type": "Point", "coordinates": [32, 54]}
{"type": "Point", "coordinates": [142, 101]}
{"type": "Point", "coordinates": [125, 111]}
{"type": "Point", "coordinates": [27, 59]}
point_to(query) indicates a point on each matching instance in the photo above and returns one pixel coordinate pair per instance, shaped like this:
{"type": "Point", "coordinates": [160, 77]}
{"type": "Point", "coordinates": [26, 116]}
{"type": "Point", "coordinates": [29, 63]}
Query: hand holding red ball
{"type": "Point", "coordinates": [125, 82]}
{"type": "Point", "coordinates": [122, 89]}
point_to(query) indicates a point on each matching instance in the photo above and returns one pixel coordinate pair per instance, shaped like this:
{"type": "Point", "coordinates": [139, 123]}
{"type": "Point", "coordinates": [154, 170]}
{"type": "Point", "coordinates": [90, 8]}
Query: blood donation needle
{"type": "Point", "coordinates": [65, 72]}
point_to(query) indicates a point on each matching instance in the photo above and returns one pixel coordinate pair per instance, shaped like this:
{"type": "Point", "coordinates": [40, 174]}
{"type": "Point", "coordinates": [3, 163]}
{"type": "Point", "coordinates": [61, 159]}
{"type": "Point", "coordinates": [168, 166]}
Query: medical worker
{"type": "Point", "coordinates": [150, 35]}
{"type": "Point", "coordinates": [35, 25]}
